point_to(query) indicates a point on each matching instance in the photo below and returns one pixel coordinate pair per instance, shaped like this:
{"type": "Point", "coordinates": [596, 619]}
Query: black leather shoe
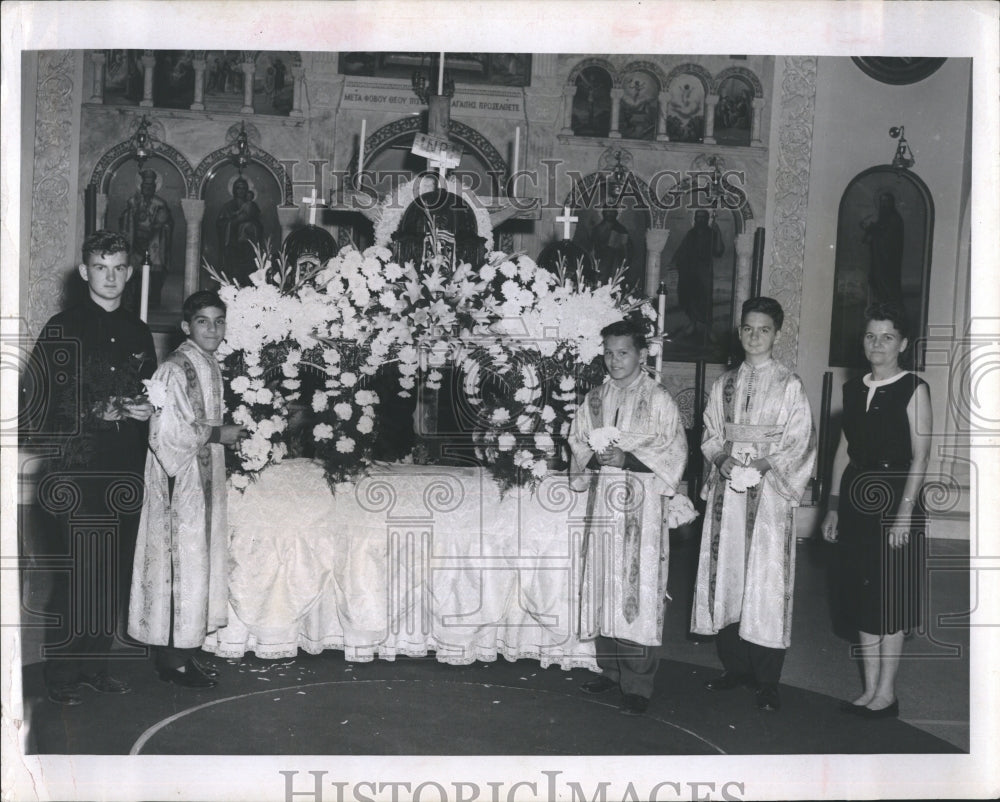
{"type": "Point", "coordinates": [768, 699]}
{"type": "Point", "coordinates": [68, 695]}
{"type": "Point", "coordinates": [207, 669]}
{"type": "Point", "coordinates": [892, 711]}
{"type": "Point", "coordinates": [727, 681]}
{"type": "Point", "coordinates": [633, 705]}
{"type": "Point", "coordinates": [851, 709]}
{"type": "Point", "coordinates": [599, 685]}
{"type": "Point", "coordinates": [104, 683]}
{"type": "Point", "coordinates": [190, 677]}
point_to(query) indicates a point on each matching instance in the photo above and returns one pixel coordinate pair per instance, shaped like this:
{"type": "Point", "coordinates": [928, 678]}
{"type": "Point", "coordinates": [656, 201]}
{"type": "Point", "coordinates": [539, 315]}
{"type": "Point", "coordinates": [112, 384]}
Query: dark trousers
{"type": "Point", "coordinates": [91, 547]}
{"type": "Point", "coordinates": [742, 657]}
{"type": "Point", "coordinates": [632, 666]}
{"type": "Point", "coordinates": [171, 657]}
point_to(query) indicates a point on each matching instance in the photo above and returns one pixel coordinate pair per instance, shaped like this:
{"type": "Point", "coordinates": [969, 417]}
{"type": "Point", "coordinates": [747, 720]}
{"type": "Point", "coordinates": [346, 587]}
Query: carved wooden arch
{"type": "Point", "coordinates": [404, 127]}
{"type": "Point", "coordinates": [648, 66]}
{"type": "Point", "coordinates": [697, 71]}
{"type": "Point", "coordinates": [216, 158]}
{"type": "Point", "coordinates": [112, 159]}
{"type": "Point", "coordinates": [739, 72]}
{"type": "Point", "coordinates": [657, 217]}
{"type": "Point", "coordinates": [604, 64]}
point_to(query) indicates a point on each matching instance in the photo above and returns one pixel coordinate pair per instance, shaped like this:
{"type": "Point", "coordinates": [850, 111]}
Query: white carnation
{"type": "Point", "coordinates": [322, 431]}
{"type": "Point", "coordinates": [345, 445]}
{"type": "Point", "coordinates": [506, 441]}
{"type": "Point", "coordinates": [343, 410]}
{"type": "Point", "coordinates": [365, 425]}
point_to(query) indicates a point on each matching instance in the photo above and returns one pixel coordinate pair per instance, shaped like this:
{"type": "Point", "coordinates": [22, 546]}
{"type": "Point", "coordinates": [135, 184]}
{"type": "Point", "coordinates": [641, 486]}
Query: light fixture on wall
{"type": "Point", "coordinates": [142, 142]}
{"type": "Point", "coordinates": [616, 181]}
{"type": "Point", "coordinates": [240, 151]}
{"type": "Point", "coordinates": [424, 87]}
{"type": "Point", "coordinates": [903, 159]}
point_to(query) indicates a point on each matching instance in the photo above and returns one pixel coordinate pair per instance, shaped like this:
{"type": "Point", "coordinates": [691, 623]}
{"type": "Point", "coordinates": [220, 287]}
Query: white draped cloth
{"type": "Point", "coordinates": [628, 545]}
{"type": "Point", "coordinates": [412, 560]}
{"type": "Point", "coordinates": [746, 569]}
{"type": "Point", "coordinates": [181, 556]}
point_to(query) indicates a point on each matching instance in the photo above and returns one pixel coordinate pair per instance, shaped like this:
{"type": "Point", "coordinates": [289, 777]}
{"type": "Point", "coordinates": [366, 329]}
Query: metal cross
{"type": "Point", "coordinates": [313, 206]}
{"type": "Point", "coordinates": [567, 220]}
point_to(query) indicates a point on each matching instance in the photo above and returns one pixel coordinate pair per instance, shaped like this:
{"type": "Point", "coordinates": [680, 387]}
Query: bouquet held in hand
{"type": "Point", "coordinates": [604, 437]}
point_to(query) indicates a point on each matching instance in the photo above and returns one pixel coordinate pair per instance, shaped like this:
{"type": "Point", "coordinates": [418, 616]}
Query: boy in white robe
{"type": "Point", "coordinates": [179, 581]}
{"type": "Point", "coordinates": [626, 545]}
{"type": "Point", "coordinates": [758, 417]}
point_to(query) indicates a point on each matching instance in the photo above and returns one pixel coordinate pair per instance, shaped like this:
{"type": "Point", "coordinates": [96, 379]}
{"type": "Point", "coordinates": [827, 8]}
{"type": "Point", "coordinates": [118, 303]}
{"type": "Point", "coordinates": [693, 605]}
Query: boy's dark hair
{"type": "Point", "coordinates": [203, 299]}
{"type": "Point", "coordinates": [626, 328]}
{"type": "Point", "coordinates": [891, 312]}
{"type": "Point", "coordinates": [766, 306]}
{"type": "Point", "coordinates": [102, 242]}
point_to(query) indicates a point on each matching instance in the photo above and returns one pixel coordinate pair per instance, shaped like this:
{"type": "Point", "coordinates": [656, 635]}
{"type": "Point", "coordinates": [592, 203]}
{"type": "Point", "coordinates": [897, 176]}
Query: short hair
{"type": "Point", "coordinates": [626, 328]}
{"type": "Point", "coordinates": [766, 306]}
{"type": "Point", "coordinates": [102, 242]}
{"type": "Point", "coordinates": [887, 310]}
{"type": "Point", "coordinates": [203, 299]}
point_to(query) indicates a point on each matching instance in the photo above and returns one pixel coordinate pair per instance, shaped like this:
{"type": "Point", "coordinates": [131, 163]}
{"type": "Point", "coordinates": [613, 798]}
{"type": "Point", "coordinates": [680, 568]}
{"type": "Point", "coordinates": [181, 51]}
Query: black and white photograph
{"type": "Point", "coordinates": [609, 419]}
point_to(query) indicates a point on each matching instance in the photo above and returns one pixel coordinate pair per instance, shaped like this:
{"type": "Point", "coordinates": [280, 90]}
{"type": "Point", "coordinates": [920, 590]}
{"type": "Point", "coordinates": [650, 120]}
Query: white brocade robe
{"type": "Point", "coordinates": [746, 568]}
{"type": "Point", "coordinates": [627, 544]}
{"type": "Point", "coordinates": [182, 550]}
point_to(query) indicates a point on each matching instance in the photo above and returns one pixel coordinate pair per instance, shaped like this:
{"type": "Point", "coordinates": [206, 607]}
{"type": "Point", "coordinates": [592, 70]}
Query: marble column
{"type": "Point", "coordinates": [661, 118]}
{"type": "Point", "coordinates": [656, 240]}
{"type": "Point", "coordinates": [711, 101]}
{"type": "Point", "coordinates": [569, 91]}
{"type": "Point", "coordinates": [148, 64]}
{"type": "Point", "coordinates": [758, 118]}
{"type": "Point", "coordinates": [199, 65]}
{"type": "Point", "coordinates": [248, 71]}
{"type": "Point", "coordinates": [194, 211]}
{"type": "Point", "coordinates": [287, 217]}
{"type": "Point", "coordinates": [102, 210]}
{"type": "Point", "coordinates": [298, 78]}
{"type": "Point", "coordinates": [98, 58]}
{"type": "Point", "coordinates": [744, 267]}
{"type": "Point", "coordinates": [616, 106]}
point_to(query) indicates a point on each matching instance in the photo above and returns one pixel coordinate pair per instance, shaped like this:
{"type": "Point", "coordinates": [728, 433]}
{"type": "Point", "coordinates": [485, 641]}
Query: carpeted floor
{"type": "Point", "coordinates": [324, 705]}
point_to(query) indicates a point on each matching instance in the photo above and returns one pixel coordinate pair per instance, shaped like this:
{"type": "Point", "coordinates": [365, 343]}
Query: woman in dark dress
{"type": "Point", "coordinates": [880, 525]}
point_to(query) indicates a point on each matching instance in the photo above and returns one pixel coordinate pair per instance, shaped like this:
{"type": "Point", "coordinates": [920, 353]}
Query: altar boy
{"type": "Point", "coordinates": [759, 440]}
{"type": "Point", "coordinates": [627, 540]}
{"type": "Point", "coordinates": [179, 581]}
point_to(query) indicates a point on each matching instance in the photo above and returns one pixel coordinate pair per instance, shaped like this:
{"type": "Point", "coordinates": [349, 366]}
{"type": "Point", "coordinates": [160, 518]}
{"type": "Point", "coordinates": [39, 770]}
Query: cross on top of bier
{"type": "Point", "coordinates": [567, 220]}
{"type": "Point", "coordinates": [314, 204]}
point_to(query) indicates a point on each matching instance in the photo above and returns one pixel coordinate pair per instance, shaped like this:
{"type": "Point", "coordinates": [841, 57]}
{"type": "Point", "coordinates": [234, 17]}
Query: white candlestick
{"type": "Point", "coordinates": [361, 152]}
{"type": "Point", "coordinates": [441, 76]}
{"type": "Point", "coordinates": [661, 311]}
{"type": "Point", "coordinates": [144, 294]}
{"type": "Point", "coordinates": [517, 153]}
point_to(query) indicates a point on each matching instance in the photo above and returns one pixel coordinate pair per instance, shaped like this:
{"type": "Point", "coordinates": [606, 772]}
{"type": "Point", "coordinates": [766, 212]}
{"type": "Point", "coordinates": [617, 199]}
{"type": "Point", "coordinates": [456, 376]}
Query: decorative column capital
{"type": "Point", "coordinates": [656, 238]}
{"type": "Point", "coordinates": [194, 210]}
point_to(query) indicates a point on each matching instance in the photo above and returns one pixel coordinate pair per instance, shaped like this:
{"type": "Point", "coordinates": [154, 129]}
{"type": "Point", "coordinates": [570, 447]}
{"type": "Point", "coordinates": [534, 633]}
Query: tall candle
{"type": "Point", "coordinates": [144, 292]}
{"type": "Point", "coordinates": [441, 76]}
{"type": "Point", "coordinates": [661, 311]}
{"type": "Point", "coordinates": [517, 153]}
{"type": "Point", "coordinates": [361, 152]}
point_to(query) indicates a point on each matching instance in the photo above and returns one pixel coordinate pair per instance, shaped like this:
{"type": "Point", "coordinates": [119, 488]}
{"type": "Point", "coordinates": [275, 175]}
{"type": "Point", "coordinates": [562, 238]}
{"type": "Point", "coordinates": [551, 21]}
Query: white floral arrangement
{"type": "Point", "coordinates": [333, 329]}
{"type": "Point", "coordinates": [603, 437]}
{"type": "Point", "coordinates": [680, 511]}
{"type": "Point", "coordinates": [156, 392]}
{"type": "Point", "coordinates": [743, 477]}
